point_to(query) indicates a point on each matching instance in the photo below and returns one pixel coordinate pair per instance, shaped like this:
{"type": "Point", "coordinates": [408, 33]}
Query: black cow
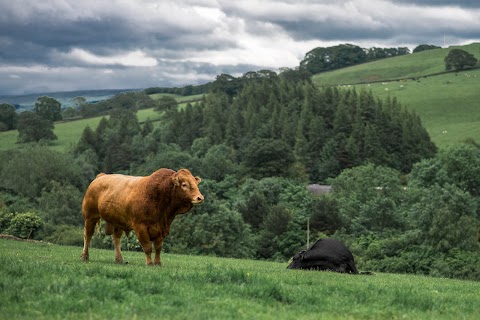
{"type": "Point", "coordinates": [325, 254]}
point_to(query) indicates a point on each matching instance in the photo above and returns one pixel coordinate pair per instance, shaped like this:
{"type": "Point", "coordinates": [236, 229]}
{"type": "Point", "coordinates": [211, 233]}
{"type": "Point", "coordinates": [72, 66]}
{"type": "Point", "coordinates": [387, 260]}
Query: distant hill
{"type": "Point", "coordinates": [414, 65]}
{"type": "Point", "coordinates": [447, 103]}
{"type": "Point", "coordinates": [26, 102]}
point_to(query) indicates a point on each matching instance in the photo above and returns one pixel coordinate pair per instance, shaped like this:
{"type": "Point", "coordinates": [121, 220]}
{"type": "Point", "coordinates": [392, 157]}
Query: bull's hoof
{"type": "Point", "coordinates": [84, 257]}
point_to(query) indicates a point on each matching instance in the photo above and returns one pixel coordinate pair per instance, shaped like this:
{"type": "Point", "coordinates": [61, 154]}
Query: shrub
{"type": "Point", "coordinates": [24, 225]}
{"type": "Point", "coordinates": [5, 220]}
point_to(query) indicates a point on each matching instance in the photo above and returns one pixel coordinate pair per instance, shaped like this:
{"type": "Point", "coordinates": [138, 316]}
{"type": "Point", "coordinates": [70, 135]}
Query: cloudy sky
{"type": "Point", "coordinates": [64, 45]}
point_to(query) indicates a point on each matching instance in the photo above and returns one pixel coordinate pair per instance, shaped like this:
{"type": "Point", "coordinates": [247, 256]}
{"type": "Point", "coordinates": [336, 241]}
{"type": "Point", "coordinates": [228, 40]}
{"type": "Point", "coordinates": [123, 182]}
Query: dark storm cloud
{"type": "Point", "coordinates": [374, 20]}
{"type": "Point", "coordinates": [69, 44]}
{"type": "Point", "coordinates": [35, 40]}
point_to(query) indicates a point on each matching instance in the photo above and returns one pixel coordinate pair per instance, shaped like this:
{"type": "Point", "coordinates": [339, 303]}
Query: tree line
{"type": "Point", "coordinates": [323, 59]}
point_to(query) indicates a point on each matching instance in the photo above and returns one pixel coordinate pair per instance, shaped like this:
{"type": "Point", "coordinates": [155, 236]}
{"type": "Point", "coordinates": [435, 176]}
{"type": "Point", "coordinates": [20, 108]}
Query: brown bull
{"type": "Point", "coordinates": [146, 205]}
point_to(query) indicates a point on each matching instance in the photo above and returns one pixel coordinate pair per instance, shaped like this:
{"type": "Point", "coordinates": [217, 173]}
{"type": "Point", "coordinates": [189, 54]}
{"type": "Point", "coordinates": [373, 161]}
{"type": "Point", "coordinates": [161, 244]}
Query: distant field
{"type": "Point", "coordinates": [406, 66]}
{"type": "Point", "coordinates": [69, 133]}
{"type": "Point", "coordinates": [448, 104]}
{"type": "Point", "coordinates": [157, 96]}
{"type": "Point", "coordinates": [45, 281]}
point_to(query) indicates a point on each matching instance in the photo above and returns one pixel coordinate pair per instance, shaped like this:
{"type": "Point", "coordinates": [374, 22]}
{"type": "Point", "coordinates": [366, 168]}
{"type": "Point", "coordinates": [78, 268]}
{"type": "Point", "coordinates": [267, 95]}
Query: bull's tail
{"type": "Point", "coordinates": [99, 226]}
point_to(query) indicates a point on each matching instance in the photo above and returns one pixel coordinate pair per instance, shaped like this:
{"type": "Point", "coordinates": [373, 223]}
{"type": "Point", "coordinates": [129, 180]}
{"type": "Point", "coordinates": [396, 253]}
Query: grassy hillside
{"type": "Point", "coordinates": [446, 103]}
{"type": "Point", "coordinates": [69, 133]}
{"type": "Point", "coordinates": [44, 281]}
{"type": "Point", "coordinates": [406, 66]}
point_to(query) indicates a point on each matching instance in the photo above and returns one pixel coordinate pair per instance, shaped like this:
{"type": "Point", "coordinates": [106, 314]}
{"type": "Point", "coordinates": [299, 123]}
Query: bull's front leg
{"type": "Point", "coordinates": [144, 238]}
{"type": "Point", "coordinates": [158, 248]}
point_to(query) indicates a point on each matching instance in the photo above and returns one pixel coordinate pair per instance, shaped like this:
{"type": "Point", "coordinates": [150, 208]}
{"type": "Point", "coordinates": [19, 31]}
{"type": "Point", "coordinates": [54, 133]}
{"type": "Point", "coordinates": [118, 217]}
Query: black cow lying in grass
{"type": "Point", "coordinates": [326, 254]}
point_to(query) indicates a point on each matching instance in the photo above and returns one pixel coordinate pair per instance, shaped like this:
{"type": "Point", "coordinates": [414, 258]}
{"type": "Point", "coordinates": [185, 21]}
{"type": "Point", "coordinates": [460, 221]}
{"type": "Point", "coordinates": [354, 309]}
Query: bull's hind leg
{"type": "Point", "coordinates": [117, 238]}
{"type": "Point", "coordinates": [88, 230]}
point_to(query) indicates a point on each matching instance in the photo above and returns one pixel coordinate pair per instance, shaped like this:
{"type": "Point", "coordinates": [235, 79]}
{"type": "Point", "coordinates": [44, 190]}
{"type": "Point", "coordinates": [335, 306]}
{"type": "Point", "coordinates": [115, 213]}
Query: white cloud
{"type": "Point", "coordinates": [135, 58]}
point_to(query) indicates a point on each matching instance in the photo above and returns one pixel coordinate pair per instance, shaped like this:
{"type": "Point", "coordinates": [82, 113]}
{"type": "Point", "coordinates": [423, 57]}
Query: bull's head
{"type": "Point", "coordinates": [297, 260]}
{"type": "Point", "coordinates": [188, 186]}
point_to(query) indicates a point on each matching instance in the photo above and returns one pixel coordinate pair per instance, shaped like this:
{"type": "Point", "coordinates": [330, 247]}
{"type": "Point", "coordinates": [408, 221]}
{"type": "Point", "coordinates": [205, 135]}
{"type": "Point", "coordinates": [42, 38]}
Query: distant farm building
{"type": "Point", "coordinates": [319, 189]}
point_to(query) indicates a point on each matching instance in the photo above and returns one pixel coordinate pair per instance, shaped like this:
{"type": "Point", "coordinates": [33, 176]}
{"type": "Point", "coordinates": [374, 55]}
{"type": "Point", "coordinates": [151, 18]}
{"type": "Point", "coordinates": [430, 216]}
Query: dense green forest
{"type": "Point", "coordinates": [257, 142]}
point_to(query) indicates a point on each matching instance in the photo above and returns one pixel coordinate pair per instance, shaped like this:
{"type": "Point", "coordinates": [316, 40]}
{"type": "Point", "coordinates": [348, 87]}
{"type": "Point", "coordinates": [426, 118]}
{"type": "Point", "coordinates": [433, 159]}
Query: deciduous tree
{"type": "Point", "coordinates": [458, 59]}
{"type": "Point", "coordinates": [8, 117]}
{"type": "Point", "coordinates": [48, 108]}
{"type": "Point", "coordinates": [34, 128]}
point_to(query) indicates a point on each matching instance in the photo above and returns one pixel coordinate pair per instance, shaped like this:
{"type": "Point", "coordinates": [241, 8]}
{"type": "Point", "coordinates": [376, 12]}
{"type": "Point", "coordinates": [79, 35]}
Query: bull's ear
{"type": "Point", "coordinates": [198, 180]}
{"type": "Point", "coordinates": [175, 179]}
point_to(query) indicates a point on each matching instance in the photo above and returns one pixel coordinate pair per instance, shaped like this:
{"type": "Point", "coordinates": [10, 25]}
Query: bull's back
{"type": "Point", "coordinates": [109, 195]}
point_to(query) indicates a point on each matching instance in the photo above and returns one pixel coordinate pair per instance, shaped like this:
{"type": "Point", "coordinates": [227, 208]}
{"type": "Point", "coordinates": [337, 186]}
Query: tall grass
{"type": "Point", "coordinates": [44, 281]}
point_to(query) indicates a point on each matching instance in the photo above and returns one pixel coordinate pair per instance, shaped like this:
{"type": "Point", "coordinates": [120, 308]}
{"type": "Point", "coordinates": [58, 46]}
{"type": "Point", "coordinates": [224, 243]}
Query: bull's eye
{"type": "Point", "coordinates": [184, 184]}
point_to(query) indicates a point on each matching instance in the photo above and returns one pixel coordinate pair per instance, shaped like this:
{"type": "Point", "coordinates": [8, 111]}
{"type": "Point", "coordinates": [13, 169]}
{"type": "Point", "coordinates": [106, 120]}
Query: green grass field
{"type": "Point", "coordinates": [448, 104]}
{"type": "Point", "coordinates": [45, 281]}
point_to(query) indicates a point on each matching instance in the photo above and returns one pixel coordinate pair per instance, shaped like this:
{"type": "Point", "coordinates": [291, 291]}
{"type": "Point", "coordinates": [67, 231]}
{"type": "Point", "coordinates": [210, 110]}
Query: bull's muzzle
{"type": "Point", "coordinates": [197, 199]}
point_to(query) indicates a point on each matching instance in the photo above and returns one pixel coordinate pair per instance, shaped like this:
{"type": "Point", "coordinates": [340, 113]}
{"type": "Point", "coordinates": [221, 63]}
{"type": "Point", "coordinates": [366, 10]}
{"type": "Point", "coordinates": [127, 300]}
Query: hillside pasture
{"type": "Point", "coordinates": [69, 132]}
{"type": "Point", "coordinates": [45, 281]}
{"type": "Point", "coordinates": [180, 99]}
{"type": "Point", "coordinates": [402, 67]}
{"type": "Point", "coordinates": [447, 103]}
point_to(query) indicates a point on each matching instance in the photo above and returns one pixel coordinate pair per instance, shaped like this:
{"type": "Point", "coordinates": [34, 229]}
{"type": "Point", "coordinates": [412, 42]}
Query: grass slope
{"type": "Point", "coordinates": [44, 281]}
{"type": "Point", "coordinates": [446, 103]}
{"type": "Point", "coordinates": [69, 132]}
{"type": "Point", "coordinates": [407, 66]}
